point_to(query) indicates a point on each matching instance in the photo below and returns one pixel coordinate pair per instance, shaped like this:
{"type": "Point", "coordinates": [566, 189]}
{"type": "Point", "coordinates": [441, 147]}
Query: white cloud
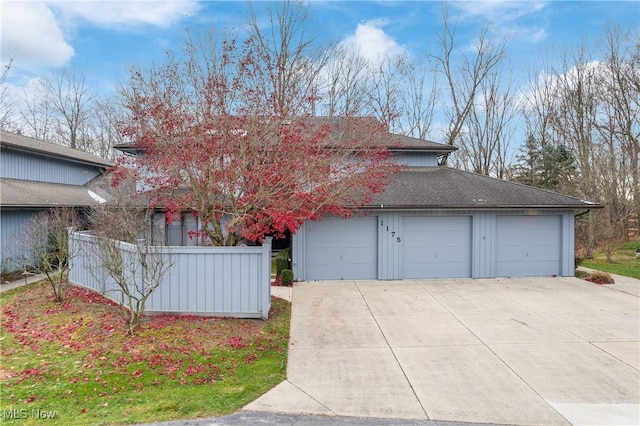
{"type": "Point", "coordinates": [506, 17]}
{"type": "Point", "coordinates": [37, 34]}
{"type": "Point", "coordinates": [32, 37]}
{"type": "Point", "coordinates": [372, 43]}
{"type": "Point", "coordinates": [132, 12]}
{"type": "Point", "coordinates": [503, 10]}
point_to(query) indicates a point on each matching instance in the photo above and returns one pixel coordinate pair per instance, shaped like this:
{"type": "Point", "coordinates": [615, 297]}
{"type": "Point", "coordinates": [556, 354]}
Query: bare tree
{"type": "Point", "coordinates": [464, 74]}
{"type": "Point", "coordinates": [343, 84]}
{"type": "Point", "coordinates": [105, 130]}
{"type": "Point", "coordinates": [45, 239]}
{"type": "Point", "coordinates": [72, 100]}
{"type": "Point", "coordinates": [292, 59]}
{"type": "Point", "coordinates": [484, 147]}
{"type": "Point", "coordinates": [418, 100]}
{"type": "Point", "coordinates": [37, 113]}
{"type": "Point", "coordinates": [620, 125]}
{"type": "Point", "coordinates": [122, 251]}
{"type": "Point", "coordinates": [589, 104]}
{"type": "Point", "coordinates": [385, 97]}
{"type": "Point", "coordinates": [6, 106]}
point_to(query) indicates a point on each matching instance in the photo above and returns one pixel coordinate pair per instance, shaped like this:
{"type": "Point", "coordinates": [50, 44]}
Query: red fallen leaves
{"type": "Point", "coordinates": [30, 372]}
{"type": "Point", "coordinates": [168, 346]}
{"type": "Point", "coordinates": [236, 342]}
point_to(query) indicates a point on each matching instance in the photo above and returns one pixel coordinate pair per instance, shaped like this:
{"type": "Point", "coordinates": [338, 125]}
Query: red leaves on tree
{"type": "Point", "coordinates": [247, 162]}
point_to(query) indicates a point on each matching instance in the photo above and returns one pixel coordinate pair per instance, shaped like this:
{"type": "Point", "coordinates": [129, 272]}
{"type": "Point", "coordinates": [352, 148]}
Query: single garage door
{"type": "Point", "coordinates": [437, 247]}
{"type": "Point", "coordinates": [341, 249]}
{"type": "Point", "coordinates": [528, 246]}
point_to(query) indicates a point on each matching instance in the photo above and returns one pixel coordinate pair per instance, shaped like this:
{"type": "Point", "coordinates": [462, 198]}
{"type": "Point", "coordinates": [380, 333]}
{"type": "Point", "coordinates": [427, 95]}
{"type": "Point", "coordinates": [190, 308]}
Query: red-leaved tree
{"type": "Point", "coordinates": [226, 133]}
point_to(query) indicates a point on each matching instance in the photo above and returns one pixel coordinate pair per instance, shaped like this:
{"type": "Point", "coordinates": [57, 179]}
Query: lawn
{"type": "Point", "coordinates": [74, 364]}
{"type": "Point", "coordinates": [624, 261]}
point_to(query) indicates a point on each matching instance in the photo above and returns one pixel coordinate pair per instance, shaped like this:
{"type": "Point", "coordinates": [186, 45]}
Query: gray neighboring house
{"type": "Point", "coordinates": [36, 176]}
{"type": "Point", "coordinates": [437, 222]}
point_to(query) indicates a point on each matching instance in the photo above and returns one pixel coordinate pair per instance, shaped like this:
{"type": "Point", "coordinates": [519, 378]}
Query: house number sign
{"type": "Point", "coordinates": [393, 233]}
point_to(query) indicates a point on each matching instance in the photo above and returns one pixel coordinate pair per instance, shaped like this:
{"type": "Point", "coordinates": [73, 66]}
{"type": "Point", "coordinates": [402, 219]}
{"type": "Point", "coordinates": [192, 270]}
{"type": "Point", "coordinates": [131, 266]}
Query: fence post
{"type": "Point", "coordinates": [265, 289]}
{"type": "Point", "coordinates": [141, 248]}
{"type": "Point", "coordinates": [71, 253]}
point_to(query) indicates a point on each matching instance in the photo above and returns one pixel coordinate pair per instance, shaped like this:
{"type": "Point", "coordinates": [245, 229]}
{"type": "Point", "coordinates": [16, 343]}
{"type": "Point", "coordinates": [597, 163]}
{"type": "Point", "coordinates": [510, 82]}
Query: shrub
{"type": "Point", "coordinates": [599, 277]}
{"type": "Point", "coordinates": [287, 277]}
{"type": "Point", "coordinates": [282, 261]}
{"type": "Point", "coordinates": [281, 264]}
{"type": "Point", "coordinates": [581, 274]}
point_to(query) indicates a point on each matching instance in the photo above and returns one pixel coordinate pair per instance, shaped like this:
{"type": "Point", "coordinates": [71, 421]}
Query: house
{"type": "Point", "coordinates": [432, 221]}
{"type": "Point", "coordinates": [35, 176]}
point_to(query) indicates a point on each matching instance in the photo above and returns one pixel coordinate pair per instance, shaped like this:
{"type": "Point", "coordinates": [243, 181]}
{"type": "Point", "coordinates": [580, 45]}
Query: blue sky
{"type": "Point", "coordinates": [105, 38]}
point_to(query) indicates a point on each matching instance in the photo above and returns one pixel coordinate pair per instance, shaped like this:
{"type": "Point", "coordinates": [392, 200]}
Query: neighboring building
{"type": "Point", "coordinates": [431, 222]}
{"type": "Point", "coordinates": [36, 176]}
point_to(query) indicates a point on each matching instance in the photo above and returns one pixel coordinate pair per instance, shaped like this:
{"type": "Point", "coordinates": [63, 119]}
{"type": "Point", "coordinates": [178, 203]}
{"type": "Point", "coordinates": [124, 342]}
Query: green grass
{"type": "Point", "coordinates": [75, 360]}
{"type": "Point", "coordinates": [624, 261]}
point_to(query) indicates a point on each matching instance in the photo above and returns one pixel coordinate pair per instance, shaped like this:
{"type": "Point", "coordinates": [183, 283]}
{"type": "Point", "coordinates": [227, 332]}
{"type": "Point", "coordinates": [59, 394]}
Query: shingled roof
{"type": "Point", "coordinates": [445, 188]}
{"type": "Point", "coordinates": [389, 140]}
{"type": "Point", "coordinates": [31, 194]}
{"type": "Point", "coordinates": [10, 140]}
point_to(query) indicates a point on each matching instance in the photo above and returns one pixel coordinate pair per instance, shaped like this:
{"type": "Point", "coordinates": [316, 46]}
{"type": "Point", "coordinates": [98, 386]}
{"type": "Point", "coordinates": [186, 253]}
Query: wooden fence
{"type": "Point", "coordinates": [216, 281]}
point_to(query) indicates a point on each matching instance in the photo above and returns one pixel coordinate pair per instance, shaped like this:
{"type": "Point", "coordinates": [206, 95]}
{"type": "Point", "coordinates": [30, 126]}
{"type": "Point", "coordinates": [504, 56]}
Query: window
{"type": "Point", "coordinates": [178, 232]}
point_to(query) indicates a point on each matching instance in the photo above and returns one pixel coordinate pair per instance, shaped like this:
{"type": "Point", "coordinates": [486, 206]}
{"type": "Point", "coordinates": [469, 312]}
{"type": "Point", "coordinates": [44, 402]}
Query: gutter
{"type": "Point", "coordinates": [478, 207]}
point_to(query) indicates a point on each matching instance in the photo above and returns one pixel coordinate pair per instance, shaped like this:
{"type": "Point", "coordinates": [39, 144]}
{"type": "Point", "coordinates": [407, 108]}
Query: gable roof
{"type": "Point", "coordinates": [445, 188]}
{"type": "Point", "coordinates": [10, 140]}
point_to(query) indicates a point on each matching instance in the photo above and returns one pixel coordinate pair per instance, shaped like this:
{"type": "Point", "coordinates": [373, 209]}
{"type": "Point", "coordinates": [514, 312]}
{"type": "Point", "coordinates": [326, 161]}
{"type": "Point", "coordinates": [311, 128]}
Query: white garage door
{"type": "Point", "coordinates": [528, 246]}
{"type": "Point", "coordinates": [341, 249]}
{"type": "Point", "coordinates": [437, 247]}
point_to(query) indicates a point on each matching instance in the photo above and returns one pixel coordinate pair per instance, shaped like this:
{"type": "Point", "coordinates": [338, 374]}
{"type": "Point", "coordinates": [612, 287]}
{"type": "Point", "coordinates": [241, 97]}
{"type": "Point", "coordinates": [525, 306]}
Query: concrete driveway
{"type": "Point", "coordinates": [549, 351]}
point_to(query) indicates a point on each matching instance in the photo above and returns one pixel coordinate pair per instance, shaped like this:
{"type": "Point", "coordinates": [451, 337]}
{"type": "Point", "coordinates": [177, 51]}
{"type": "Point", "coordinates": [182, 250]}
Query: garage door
{"type": "Point", "coordinates": [528, 246]}
{"type": "Point", "coordinates": [437, 247]}
{"type": "Point", "coordinates": [340, 249]}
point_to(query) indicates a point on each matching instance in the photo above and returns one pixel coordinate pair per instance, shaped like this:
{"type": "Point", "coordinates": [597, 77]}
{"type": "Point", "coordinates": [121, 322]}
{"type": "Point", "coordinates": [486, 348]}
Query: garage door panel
{"type": "Point", "coordinates": [533, 253]}
{"type": "Point", "coordinates": [528, 245]}
{"type": "Point", "coordinates": [342, 249]}
{"type": "Point", "coordinates": [437, 247]}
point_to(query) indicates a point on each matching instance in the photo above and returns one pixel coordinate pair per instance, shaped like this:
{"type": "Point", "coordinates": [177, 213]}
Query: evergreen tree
{"type": "Point", "coordinates": [549, 167]}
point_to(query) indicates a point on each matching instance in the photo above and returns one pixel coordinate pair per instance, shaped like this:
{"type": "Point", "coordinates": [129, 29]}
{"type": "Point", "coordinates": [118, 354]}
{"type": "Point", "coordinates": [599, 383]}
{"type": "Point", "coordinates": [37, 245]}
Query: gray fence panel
{"type": "Point", "coordinates": [219, 281]}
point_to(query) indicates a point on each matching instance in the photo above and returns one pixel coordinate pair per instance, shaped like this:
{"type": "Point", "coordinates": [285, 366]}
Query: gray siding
{"type": "Point", "coordinates": [25, 166]}
{"type": "Point", "coordinates": [417, 159]}
{"type": "Point", "coordinates": [14, 257]}
{"type": "Point", "coordinates": [483, 241]}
